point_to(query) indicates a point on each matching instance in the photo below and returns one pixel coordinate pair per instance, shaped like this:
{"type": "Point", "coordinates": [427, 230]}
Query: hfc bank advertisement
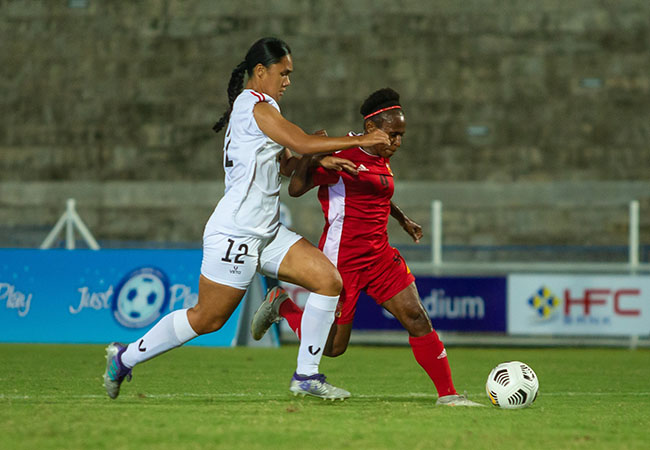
{"type": "Point", "coordinates": [86, 296]}
{"type": "Point", "coordinates": [579, 305]}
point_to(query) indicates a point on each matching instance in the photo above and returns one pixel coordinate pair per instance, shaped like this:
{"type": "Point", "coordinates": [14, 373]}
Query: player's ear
{"type": "Point", "coordinates": [259, 70]}
{"type": "Point", "coordinates": [369, 126]}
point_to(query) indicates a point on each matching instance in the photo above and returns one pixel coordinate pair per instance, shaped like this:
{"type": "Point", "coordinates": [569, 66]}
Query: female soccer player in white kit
{"type": "Point", "coordinates": [244, 235]}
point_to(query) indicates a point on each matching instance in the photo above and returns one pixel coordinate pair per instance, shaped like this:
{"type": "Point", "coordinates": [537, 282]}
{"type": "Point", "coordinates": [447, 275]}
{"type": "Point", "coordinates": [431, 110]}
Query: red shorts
{"type": "Point", "coordinates": [387, 276]}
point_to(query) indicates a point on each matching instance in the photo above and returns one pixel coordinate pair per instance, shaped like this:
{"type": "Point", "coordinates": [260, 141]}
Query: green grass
{"type": "Point", "coordinates": [51, 397]}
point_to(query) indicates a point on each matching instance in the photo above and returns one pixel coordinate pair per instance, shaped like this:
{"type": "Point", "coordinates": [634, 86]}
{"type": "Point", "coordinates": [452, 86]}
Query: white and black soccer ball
{"type": "Point", "coordinates": [141, 298]}
{"type": "Point", "coordinates": [512, 385]}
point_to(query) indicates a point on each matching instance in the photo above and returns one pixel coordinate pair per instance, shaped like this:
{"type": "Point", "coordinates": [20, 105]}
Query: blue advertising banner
{"type": "Point", "coordinates": [454, 304]}
{"type": "Point", "coordinates": [85, 296]}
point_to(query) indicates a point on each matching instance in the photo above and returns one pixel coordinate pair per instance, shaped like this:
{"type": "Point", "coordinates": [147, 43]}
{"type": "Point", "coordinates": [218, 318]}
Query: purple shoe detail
{"type": "Point", "coordinates": [318, 376]}
{"type": "Point", "coordinates": [116, 372]}
{"type": "Point", "coordinates": [317, 386]}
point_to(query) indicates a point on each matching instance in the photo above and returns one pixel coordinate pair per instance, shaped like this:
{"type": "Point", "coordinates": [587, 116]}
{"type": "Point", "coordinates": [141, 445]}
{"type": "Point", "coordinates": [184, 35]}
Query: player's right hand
{"type": "Point", "coordinates": [336, 163]}
{"type": "Point", "coordinates": [413, 229]}
{"type": "Point", "coordinates": [375, 137]}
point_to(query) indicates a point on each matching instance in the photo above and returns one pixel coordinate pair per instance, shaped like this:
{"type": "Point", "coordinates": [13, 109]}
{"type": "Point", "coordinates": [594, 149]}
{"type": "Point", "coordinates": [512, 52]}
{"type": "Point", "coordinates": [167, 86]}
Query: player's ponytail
{"type": "Point", "coordinates": [266, 51]}
{"type": "Point", "coordinates": [235, 86]}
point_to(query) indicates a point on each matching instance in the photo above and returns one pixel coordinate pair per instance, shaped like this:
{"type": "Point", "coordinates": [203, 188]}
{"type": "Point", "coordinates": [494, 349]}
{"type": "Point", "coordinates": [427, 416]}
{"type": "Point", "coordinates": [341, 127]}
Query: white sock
{"type": "Point", "coordinates": [315, 326]}
{"type": "Point", "coordinates": [171, 331]}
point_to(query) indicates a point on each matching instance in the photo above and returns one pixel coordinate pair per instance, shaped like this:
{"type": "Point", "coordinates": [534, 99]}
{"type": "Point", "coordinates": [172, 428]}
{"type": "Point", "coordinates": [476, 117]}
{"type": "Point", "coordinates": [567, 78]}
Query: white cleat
{"type": "Point", "coordinates": [317, 386]}
{"type": "Point", "coordinates": [456, 400]}
{"type": "Point", "coordinates": [268, 313]}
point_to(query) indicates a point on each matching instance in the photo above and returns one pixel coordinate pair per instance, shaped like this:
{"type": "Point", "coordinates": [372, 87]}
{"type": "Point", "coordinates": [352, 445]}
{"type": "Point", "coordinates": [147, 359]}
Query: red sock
{"type": "Point", "coordinates": [430, 353]}
{"type": "Point", "coordinates": [292, 312]}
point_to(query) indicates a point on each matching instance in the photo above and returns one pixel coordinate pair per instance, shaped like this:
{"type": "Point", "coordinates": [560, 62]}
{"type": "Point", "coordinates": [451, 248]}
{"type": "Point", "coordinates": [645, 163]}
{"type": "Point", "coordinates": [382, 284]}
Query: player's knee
{"type": "Point", "coordinates": [417, 322]}
{"type": "Point", "coordinates": [213, 326]}
{"type": "Point", "coordinates": [330, 283]}
{"type": "Point", "coordinates": [336, 283]}
{"type": "Point", "coordinates": [205, 323]}
{"type": "Point", "coordinates": [206, 327]}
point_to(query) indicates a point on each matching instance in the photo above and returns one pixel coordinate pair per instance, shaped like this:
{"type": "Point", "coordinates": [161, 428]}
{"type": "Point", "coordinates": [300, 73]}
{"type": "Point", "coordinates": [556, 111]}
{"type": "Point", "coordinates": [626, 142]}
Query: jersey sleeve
{"type": "Point", "coordinates": [242, 115]}
{"type": "Point", "coordinates": [321, 176]}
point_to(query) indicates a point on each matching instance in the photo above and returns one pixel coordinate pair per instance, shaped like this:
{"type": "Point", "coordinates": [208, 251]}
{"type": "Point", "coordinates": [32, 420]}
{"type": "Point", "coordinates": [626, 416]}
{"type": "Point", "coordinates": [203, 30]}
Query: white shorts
{"type": "Point", "coordinates": [233, 260]}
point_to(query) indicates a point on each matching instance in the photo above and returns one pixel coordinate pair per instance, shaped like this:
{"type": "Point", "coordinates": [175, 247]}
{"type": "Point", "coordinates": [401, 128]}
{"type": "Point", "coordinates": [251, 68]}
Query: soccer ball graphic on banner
{"type": "Point", "coordinates": [141, 297]}
{"type": "Point", "coordinates": [512, 385]}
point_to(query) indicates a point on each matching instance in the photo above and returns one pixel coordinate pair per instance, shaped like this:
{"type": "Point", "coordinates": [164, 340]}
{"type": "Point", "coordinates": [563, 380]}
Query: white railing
{"type": "Point", "coordinates": [634, 234]}
{"type": "Point", "coordinates": [437, 265]}
{"type": "Point", "coordinates": [71, 220]}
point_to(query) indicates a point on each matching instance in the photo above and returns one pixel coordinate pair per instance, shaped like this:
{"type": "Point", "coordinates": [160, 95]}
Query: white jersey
{"type": "Point", "coordinates": [251, 202]}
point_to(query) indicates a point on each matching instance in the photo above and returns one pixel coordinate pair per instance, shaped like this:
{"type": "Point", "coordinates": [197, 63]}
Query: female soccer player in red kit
{"type": "Point", "coordinates": [356, 209]}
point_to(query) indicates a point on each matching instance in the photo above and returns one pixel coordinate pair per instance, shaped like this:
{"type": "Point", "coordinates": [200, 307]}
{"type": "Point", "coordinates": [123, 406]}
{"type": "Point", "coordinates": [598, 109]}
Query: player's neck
{"type": "Point", "coordinates": [251, 84]}
{"type": "Point", "coordinates": [369, 151]}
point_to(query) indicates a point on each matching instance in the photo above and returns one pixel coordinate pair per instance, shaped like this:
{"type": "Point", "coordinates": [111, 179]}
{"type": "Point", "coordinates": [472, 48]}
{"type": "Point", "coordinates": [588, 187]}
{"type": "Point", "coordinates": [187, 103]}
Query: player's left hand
{"type": "Point", "coordinates": [413, 229]}
{"type": "Point", "coordinates": [338, 164]}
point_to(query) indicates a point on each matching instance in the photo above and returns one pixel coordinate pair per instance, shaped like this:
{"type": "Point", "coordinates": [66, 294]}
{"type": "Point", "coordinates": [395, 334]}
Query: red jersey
{"type": "Point", "coordinates": [356, 209]}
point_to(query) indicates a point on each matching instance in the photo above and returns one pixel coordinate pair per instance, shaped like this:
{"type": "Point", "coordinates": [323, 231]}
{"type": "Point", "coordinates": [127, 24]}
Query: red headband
{"type": "Point", "coordinates": [381, 111]}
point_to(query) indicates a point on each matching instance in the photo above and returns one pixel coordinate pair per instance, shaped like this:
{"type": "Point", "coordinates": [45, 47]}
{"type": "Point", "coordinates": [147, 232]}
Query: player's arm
{"type": "Point", "coordinates": [302, 179]}
{"type": "Point", "coordinates": [412, 228]}
{"type": "Point", "coordinates": [288, 162]}
{"type": "Point", "coordinates": [286, 133]}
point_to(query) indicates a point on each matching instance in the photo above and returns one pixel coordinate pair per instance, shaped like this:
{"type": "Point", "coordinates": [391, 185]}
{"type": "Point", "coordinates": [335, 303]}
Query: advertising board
{"type": "Point", "coordinates": [86, 296]}
{"type": "Point", "coordinates": [579, 304]}
{"type": "Point", "coordinates": [453, 304]}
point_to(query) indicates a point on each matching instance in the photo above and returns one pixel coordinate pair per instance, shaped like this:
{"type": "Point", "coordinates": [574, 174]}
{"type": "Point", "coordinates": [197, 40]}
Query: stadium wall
{"type": "Point", "coordinates": [527, 120]}
{"type": "Point", "coordinates": [510, 217]}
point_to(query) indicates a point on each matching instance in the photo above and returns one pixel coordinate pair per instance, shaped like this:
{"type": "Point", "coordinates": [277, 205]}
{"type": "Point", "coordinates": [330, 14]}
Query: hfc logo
{"type": "Point", "coordinates": [586, 305]}
{"type": "Point", "coordinates": [545, 303]}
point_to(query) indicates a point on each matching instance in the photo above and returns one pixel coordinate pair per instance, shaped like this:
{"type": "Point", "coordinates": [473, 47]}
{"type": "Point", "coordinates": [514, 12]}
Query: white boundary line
{"type": "Point", "coordinates": [262, 396]}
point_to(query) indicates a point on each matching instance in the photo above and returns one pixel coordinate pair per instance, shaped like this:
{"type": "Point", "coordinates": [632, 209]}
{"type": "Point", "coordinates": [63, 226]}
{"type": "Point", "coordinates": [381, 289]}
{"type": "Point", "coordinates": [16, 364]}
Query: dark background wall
{"type": "Point", "coordinates": [112, 103]}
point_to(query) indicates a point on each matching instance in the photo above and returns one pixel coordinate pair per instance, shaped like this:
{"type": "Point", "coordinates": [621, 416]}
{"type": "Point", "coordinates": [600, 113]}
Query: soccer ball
{"type": "Point", "coordinates": [512, 385]}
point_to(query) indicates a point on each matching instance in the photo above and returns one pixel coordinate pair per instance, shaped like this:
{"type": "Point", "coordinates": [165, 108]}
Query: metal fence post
{"type": "Point", "coordinates": [436, 232]}
{"type": "Point", "coordinates": [634, 235]}
{"type": "Point", "coordinates": [69, 224]}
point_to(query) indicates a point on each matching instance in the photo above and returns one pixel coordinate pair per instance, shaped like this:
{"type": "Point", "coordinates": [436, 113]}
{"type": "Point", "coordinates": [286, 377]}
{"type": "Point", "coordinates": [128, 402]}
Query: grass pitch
{"type": "Point", "coordinates": [51, 397]}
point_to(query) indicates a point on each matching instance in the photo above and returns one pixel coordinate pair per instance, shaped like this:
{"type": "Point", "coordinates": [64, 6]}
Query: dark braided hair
{"type": "Point", "coordinates": [266, 51]}
{"type": "Point", "coordinates": [380, 99]}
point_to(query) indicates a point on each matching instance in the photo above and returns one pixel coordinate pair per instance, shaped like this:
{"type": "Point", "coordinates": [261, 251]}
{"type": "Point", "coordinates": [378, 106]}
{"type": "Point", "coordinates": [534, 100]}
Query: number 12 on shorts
{"type": "Point", "coordinates": [242, 249]}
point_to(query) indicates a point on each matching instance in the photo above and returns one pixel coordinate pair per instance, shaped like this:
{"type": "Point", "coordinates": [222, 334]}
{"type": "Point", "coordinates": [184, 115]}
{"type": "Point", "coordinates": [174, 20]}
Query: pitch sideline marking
{"type": "Point", "coordinates": [261, 396]}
